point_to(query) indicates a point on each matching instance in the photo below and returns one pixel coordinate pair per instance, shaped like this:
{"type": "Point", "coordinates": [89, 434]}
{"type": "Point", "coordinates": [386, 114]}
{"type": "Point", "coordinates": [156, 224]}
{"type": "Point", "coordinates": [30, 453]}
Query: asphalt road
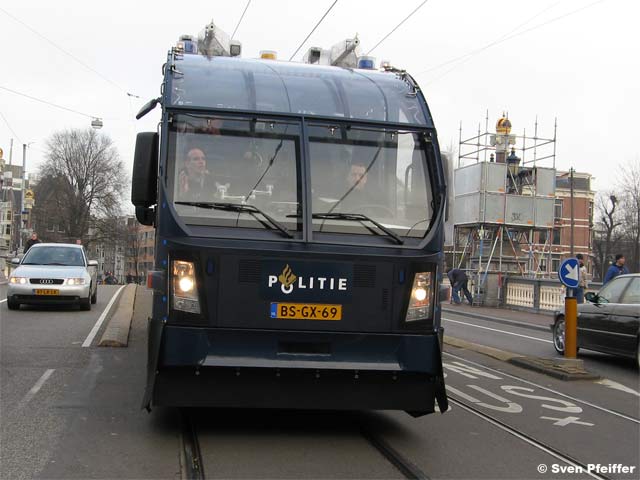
{"type": "Point", "coordinates": [527, 341]}
{"type": "Point", "coordinates": [74, 412]}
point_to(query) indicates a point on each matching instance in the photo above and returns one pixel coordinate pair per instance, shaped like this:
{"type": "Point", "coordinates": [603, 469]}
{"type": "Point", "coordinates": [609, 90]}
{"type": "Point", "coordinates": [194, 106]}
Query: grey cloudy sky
{"type": "Point", "coordinates": [582, 68]}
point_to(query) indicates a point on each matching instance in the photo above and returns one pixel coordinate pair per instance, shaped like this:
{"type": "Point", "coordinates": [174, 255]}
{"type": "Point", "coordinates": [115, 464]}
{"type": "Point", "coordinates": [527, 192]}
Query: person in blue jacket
{"type": "Point", "coordinates": [616, 268]}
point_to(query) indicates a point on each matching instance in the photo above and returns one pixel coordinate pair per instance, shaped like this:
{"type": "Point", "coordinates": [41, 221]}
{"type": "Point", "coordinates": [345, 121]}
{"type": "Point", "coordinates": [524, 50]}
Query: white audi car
{"type": "Point", "coordinates": [53, 273]}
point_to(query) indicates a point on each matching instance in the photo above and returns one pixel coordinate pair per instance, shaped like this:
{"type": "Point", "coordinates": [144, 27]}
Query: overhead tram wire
{"type": "Point", "coordinates": [48, 103]}
{"type": "Point", "coordinates": [397, 26]}
{"type": "Point", "coordinates": [241, 17]}
{"type": "Point", "coordinates": [9, 127]}
{"type": "Point", "coordinates": [313, 29]}
{"type": "Point", "coordinates": [494, 42]}
{"type": "Point", "coordinates": [502, 39]}
{"type": "Point", "coordinates": [69, 54]}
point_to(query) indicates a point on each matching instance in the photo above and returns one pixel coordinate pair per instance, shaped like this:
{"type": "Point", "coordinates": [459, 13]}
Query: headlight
{"type": "Point", "coordinates": [75, 281]}
{"type": "Point", "coordinates": [18, 280]}
{"type": "Point", "coordinates": [420, 302]}
{"type": "Point", "coordinates": [184, 288]}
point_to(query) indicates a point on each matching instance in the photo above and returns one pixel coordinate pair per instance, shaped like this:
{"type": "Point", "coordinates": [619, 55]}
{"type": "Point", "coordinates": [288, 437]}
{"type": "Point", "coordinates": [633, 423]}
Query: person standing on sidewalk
{"type": "Point", "coordinates": [31, 242]}
{"type": "Point", "coordinates": [616, 268]}
{"type": "Point", "coordinates": [459, 281]}
{"type": "Point", "coordinates": [583, 282]}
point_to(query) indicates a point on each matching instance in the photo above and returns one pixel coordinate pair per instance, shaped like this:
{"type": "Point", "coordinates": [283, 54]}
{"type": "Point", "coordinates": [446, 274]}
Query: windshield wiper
{"type": "Point", "coordinates": [358, 217]}
{"type": "Point", "coordinates": [239, 207]}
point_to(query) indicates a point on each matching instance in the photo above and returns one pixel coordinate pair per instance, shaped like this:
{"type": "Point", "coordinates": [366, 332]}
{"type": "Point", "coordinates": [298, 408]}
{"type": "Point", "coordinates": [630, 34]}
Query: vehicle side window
{"type": "Point", "coordinates": [632, 294]}
{"type": "Point", "coordinates": [611, 292]}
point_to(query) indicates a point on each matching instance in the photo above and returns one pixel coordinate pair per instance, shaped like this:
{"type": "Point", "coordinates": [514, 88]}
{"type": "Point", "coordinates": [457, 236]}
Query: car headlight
{"type": "Point", "coordinates": [420, 302]}
{"type": "Point", "coordinates": [18, 280]}
{"type": "Point", "coordinates": [184, 287]}
{"type": "Point", "coordinates": [75, 281]}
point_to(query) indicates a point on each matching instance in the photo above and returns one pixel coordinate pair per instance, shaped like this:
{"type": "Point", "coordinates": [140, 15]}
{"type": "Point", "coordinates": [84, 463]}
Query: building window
{"type": "Point", "coordinates": [556, 237]}
{"type": "Point", "coordinates": [590, 213]}
{"type": "Point", "coordinates": [555, 265]}
{"type": "Point", "coordinates": [542, 237]}
{"type": "Point", "coordinates": [557, 209]}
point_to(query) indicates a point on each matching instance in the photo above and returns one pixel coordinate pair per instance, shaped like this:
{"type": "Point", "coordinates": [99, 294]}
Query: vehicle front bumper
{"type": "Point", "coordinates": [66, 293]}
{"type": "Point", "coordinates": [293, 369]}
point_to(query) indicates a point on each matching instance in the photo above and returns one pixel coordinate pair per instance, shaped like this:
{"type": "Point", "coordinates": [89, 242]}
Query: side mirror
{"type": "Point", "coordinates": [591, 297]}
{"type": "Point", "coordinates": [93, 263]}
{"type": "Point", "coordinates": [144, 181]}
{"type": "Point", "coordinates": [15, 261]}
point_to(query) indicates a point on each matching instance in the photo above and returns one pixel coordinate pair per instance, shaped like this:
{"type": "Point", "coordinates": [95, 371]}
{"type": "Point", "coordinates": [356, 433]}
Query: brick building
{"type": "Point", "coordinates": [140, 250]}
{"type": "Point", "coordinates": [583, 202]}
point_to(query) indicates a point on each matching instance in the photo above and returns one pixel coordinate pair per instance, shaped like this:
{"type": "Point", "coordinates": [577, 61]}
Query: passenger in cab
{"type": "Point", "coordinates": [195, 180]}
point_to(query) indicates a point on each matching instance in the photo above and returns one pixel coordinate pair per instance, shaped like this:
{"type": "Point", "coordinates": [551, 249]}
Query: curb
{"type": "Point", "coordinates": [557, 368]}
{"type": "Point", "coordinates": [117, 332]}
{"type": "Point", "coordinates": [502, 355]}
{"type": "Point", "coordinates": [515, 323]}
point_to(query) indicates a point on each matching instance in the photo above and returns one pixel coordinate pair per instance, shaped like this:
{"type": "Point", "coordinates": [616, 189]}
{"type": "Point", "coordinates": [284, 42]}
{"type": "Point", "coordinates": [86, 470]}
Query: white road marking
{"type": "Point", "coordinates": [500, 331]}
{"type": "Point", "coordinates": [563, 422]}
{"type": "Point", "coordinates": [94, 331]}
{"type": "Point", "coordinates": [584, 402]}
{"type": "Point", "coordinates": [617, 386]}
{"type": "Point", "coordinates": [518, 435]}
{"type": "Point", "coordinates": [38, 385]}
{"type": "Point", "coordinates": [2, 301]}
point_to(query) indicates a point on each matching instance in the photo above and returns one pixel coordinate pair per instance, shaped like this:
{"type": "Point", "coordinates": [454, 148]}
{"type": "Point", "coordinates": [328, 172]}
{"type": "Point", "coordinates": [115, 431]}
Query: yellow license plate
{"type": "Point", "coordinates": [42, 291]}
{"type": "Point", "coordinates": [306, 311]}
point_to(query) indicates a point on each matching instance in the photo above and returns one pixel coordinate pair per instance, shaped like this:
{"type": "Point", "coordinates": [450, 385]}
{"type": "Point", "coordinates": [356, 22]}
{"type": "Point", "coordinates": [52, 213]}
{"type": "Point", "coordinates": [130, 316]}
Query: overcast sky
{"type": "Point", "coordinates": [582, 67]}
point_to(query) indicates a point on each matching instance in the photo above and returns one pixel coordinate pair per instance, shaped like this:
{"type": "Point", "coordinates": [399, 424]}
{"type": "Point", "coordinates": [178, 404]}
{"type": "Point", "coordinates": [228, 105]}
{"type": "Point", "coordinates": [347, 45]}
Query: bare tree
{"type": "Point", "coordinates": [85, 180]}
{"type": "Point", "coordinates": [607, 227]}
{"type": "Point", "coordinates": [630, 187]}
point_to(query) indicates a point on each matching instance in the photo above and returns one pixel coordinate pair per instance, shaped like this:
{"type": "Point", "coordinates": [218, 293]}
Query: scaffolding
{"type": "Point", "coordinates": [503, 206]}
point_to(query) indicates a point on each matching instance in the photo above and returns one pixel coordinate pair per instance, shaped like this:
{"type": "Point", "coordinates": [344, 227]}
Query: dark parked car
{"type": "Point", "coordinates": [609, 321]}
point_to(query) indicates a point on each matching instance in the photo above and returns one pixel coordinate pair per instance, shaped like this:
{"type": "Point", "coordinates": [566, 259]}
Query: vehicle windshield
{"type": "Point", "coordinates": [235, 161]}
{"type": "Point", "coordinates": [64, 256]}
{"type": "Point", "coordinates": [380, 173]}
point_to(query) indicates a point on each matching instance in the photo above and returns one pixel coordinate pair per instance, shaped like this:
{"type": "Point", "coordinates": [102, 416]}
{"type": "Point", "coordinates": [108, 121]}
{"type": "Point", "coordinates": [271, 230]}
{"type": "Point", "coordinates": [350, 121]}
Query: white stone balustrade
{"type": "Point", "coordinates": [520, 294]}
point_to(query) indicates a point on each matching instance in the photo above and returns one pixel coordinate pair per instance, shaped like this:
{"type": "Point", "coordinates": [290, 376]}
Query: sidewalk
{"type": "Point", "coordinates": [534, 321]}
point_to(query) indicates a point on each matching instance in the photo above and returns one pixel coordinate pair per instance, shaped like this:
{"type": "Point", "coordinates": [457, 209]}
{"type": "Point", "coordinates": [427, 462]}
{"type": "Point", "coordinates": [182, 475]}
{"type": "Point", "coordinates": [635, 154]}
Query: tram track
{"type": "Point", "coordinates": [191, 462]}
{"type": "Point", "coordinates": [543, 446]}
{"type": "Point", "coordinates": [193, 467]}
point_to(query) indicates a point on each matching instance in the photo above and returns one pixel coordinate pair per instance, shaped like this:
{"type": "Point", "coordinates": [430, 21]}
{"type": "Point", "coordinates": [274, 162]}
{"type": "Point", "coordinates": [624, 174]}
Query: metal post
{"type": "Point", "coordinates": [10, 152]}
{"type": "Point", "coordinates": [573, 222]}
{"type": "Point", "coordinates": [570, 325]}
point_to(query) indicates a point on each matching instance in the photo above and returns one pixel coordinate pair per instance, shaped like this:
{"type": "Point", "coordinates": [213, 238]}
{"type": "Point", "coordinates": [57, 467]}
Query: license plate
{"type": "Point", "coordinates": [306, 311]}
{"type": "Point", "coordinates": [43, 291]}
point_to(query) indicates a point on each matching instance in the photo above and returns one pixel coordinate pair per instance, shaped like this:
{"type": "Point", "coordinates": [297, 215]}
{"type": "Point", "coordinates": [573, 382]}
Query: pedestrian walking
{"type": "Point", "coordinates": [459, 281]}
{"type": "Point", "coordinates": [616, 268]}
{"type": "Point", "coordinates": [583, 283]}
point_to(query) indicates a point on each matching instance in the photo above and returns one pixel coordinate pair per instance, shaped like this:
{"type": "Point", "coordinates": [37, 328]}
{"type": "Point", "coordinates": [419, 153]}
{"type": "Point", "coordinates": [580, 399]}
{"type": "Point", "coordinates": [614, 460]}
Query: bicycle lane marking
{"type": "Point", "coordinates": [549, 417]}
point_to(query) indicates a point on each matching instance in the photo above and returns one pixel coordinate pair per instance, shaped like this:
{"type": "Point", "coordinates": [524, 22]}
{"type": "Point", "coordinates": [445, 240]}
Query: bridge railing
{"type": "Point", "coordinates": [536, 295]}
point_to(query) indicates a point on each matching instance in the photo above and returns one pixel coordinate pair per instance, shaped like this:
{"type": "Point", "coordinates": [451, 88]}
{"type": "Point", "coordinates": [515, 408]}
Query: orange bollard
{"type": "Point", "coordinates": [570, 327]}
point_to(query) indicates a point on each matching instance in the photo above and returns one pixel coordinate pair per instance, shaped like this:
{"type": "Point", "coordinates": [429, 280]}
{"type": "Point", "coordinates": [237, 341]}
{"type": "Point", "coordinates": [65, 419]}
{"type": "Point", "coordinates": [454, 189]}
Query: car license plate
{"type": "Point", "coordinates": [44, 291]}
{"type": "Point", "coordinates": [306, 311]}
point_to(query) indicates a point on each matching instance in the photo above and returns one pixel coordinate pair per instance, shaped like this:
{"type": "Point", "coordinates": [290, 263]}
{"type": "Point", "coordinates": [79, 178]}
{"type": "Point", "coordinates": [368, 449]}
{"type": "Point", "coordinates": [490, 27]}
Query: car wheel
{"type": "Point", "coordinates": [558, 335]}
{"type": "Point", "coordinates": [85, 303]}
{"type": "Point", "coordinates": [94, 297]}
{"type": "Point", "coordinates": [12, 304]}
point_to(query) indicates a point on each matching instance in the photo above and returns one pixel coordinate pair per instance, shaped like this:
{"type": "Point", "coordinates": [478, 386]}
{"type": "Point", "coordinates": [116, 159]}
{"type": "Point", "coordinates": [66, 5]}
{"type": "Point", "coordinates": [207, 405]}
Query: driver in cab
{"type": "Point", "coordinates": [355, 192]}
